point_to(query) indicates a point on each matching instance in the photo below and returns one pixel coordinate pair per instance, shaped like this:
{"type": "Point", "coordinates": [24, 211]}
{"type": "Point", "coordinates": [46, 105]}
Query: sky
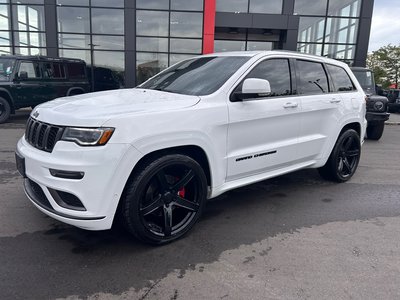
{"type": "Point", "coordinates": [385, 28]}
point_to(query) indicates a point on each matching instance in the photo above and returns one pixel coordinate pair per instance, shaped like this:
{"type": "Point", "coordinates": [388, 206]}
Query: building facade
{"type": "Point", "coordinates": [137, 39]}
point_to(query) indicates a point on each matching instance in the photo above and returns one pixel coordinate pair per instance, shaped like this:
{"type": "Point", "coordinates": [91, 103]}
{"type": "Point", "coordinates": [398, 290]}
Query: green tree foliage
{"type": "Point", "coordinates": [385, 62]}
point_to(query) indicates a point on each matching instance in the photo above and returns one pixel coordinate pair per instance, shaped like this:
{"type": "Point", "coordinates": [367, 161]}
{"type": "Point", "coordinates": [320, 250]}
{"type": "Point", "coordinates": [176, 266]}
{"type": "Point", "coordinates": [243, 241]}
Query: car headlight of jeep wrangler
{"type": "Point", "coordinates": [378, 105]}
{"type": "Point", "coordinates": [88, 136]}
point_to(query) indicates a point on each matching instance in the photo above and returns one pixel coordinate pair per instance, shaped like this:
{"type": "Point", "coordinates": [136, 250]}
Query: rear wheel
{"type": "Point", "coordinates": [375, 130]}
{"type": "Point", "coordinates": [5, 110]}
{"type": "Point", "coordinates": [343, 161]}
{"type": "Point", "coordinates": [164, 199]}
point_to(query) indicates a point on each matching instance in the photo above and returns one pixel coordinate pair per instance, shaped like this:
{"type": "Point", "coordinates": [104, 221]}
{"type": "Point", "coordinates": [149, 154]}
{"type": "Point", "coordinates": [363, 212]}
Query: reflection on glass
{"type": "Point", "coordinates": [30, 51]}
{"type": "Point", "coordinates": [232, 5]}
{"type": "Point", "coordinates": [311, 29]}
{"type": "Point", "coordinates": [152, 23]}
{"type": "Point", "coordinates": [108, 3]}
{"type": "Point", "coordinates": [28, 39]}
{"type": "Point", "coordinates": [152, 4]}
{"type": "Point", "coordinates": [27, 1]}
{"type": "Point", "coordinates": [315, 49]}
{"type": "Point", "coordinates": [185, 46]}
{"type": "Point", "coordinates": [344, 8]}
{"type": "Point", "coordinates": [107, 42]}
{"type": "Point", "coordinates": [259, 46]}
{"type": "Point", "coordinates": [175, 58]}
{"type": "Point", "coordinates": [186, 24]}
{"type": "Point", "coordinates": [266, 6]}
{"type": "Point", "coordinates": [152, 44]}
{"type": "Point", "coordinates": [73, 19]}
{"type": "Point", "coordinates": [73, 2]}
{"type": "Point", "coordinates": [72, 53]}
{"type": "Point", "coordinates": [107, 21]}
{"type": "Point", "coordinates": [341, 30]}
{"type": "Point", "coordinates": [224, 46]}
{"type": "Point", "coordinates": [29, 18]}
{"type": "Point", "coordinates": [4, 18]}
{"type": "Point", "coordinates": [110, 71]}
{"type": "Point", "coordinates": [5, 38]}
{"type": "Point", "coordinates": [149, 64]}
{"type": "Point", "coordinates": [196, 5]}
{"type": "Point", "coordinates": [305, 7]}
{"type": "Point", "coordinates": [344, 52]}
{"type": "Point", "coordinates": [66, 40]}
{"type": "Point", "coordinates": [5, 50]}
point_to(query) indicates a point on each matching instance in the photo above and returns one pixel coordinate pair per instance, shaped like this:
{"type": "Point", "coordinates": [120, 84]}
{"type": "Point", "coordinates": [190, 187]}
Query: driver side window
{"type": "Point", "coordinates": [277, 72]}
{"type": "Point", "coordinates": [32, 69]}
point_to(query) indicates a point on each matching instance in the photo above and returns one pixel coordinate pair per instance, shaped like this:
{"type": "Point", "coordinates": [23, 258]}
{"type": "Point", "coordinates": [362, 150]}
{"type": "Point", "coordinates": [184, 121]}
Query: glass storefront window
{"type": "Point", "coordinates": [259, 46]}
{"type": "Point", "coordinates": [195, 5]}
{"type": "Point", "coordinates": [73, 19]}
{"type": "Point", "coordinates": [107, 21]}
{"type": "Point", "coordinates": [66, 40]}
{"type": "Point", "coordinates": [30, 51]}
{"type": "Point", "coordinates": [344, 8]}
{"type": "Point", "coordinates": [175, 58]}
{"type": "Point", "coordinates": [5, 50]}
{"type": "Point", "coordinates": [149, 64]}
{"type": "Point", "coordinates": [304, 7]}
{"type": "Point", "coordinates": [185, 46]}
{"type": "Point", "coordinates": [29, 18]}
{"type": "Point", "coordinates": [4, 18]}
{"type": "Point", "coordinates": [27, 1]}
{"type": "Point", "coordinates": [343, 52]}
{"type": "Point", "coordinates": [108, 42]}
{"type": "Point", "coordinates": [311, 29]}
{"type": "Point", "coordinates": [224, 46]}
{"type": "Point", "coordinates": [108, 3]}
{"type": "Point", "coordinates": [29, 39]}
{"type": "Point", "coordinates": [341, 30]}
{"type": "Point", "coordinates": [73, 2]}
{"type": "Point", "coordinates": [315, 49]}
{"type": "Point", "coordinates": [113, 67]}
{"type": "Point", "coordinates": [186, 24]}
{"type": "Point", "coordinates": [266, 6]}
{"type": "Point", "coordinates": [152, 4]}
{"type": "Point", "coordinates": [152, 23]}
{"type": "Point", "coordinates": [232, 5]}
{"type": "Point", "coordinates": [5, 38]}
{"type": "Point", "coordinates": [74, 53]}
{"type": "Point", "coordinates": [152, 44]}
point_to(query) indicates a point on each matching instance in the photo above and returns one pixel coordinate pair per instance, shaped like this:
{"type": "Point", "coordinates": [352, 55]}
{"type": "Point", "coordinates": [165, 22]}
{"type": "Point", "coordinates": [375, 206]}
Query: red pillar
{"type": "Point", "coordinates": [208, 26]}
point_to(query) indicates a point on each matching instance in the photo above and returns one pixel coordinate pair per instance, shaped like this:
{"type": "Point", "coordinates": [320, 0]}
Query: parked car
{"type": "Point", "coordinates": [394, 100]}
{"type": "Point", "coordinates": [377, 106]}
{"type": "Point", "coordinates": [104, 79]}
{"type": "Point", "coordinates": [26, 81]}
{"type": "Point", "coordinates": [154, 154]}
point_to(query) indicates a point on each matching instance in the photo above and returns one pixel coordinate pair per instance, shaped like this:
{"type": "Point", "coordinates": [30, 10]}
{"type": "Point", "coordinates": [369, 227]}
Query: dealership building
{"type": "Point", "coordinates": [136, 39]}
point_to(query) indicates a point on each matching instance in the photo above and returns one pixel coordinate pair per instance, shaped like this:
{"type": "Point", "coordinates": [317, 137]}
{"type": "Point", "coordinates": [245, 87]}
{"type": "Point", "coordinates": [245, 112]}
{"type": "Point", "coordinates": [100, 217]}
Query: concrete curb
{"type": "Point", "coordinates": [392, 123]}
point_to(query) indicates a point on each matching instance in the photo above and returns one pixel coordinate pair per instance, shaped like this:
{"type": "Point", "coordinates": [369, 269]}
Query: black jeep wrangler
{"type": "Point", "coordinates": [26, 81]}
{"type": "Point", "coordinates": [377, 106]}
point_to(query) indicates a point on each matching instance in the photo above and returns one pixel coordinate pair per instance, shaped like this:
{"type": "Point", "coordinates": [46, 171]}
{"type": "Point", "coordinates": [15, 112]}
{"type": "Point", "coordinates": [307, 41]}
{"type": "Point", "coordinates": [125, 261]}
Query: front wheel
{"type": "Point", "coordinates": [375, 130]}
{"type": "Point", "coordinates": [164, 199]}
{"type": "Point", "coordinates": [343, 161]}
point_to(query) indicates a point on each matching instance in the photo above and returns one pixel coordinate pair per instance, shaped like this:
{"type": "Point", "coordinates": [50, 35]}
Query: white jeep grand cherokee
{"type": "Point", "coordinates": [155, 153]}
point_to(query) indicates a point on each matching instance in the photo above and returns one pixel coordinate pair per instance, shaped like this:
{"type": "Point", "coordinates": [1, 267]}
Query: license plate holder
{"type": "Point", "coordinates": [20, 162]}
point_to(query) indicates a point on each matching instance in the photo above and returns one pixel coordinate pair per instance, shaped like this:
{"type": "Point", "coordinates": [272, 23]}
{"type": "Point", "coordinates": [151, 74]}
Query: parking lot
{"type": "Point", "coordinates": [292, 237]}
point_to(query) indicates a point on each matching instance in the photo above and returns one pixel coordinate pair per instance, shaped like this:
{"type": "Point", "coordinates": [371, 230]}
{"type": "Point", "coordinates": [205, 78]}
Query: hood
{"type": "Point", "coordinates": [93, 110]}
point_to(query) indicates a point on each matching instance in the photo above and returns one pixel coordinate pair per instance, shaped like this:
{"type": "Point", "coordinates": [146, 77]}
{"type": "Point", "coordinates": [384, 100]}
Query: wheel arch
{"type": "Point", "coordinates": [354, 125]}
{"type": "Point", "coordinates": [6, 95]}
{"type": "Point", "coordinates": [78, 91]}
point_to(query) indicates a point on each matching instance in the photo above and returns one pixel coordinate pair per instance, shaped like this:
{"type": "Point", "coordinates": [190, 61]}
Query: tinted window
{"type": "Point", "coordinates": [277, 72]}
{"type": "Point", "coordinates": [32, 69]}
{"type": "Point", "coordinates": [311, 78]}
{"type": "Point", "coordinates": [199, 76]}
{"type": "Point", "coordinates": [341, 79]}
{"type": "Point", "coordinates": [54, 70]}
{"type": "Point", "coordinates": [76, 70]}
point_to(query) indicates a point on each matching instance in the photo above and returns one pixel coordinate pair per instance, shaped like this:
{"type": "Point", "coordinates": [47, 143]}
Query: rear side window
{"type": "Point", "coordinates": [76, 71]}
{"type": "Point", "coordinates": [277, 72]}
{"type": "Point", "coordinates": [312, 78]}
{"type": "Point", "coordinates": [54, 70]}
{"type": "Point", "coordinates": [341, 80]}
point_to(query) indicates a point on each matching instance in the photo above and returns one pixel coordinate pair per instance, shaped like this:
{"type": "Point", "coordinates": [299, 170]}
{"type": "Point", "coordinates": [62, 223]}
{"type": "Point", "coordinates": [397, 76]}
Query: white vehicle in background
{"type": "Point", "coordinates": [154, 154]}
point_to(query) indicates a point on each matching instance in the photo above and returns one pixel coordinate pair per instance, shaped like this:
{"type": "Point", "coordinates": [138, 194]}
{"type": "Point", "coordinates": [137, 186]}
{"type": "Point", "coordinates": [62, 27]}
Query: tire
{"type": "Point", "coordinates": [344, 159]}
{"type": "Point", "coordinates": [375, 131]}
{"type": "Point", "coordinates": [164, 199]}
{"type": "Point", "coordinates": [5, 110]}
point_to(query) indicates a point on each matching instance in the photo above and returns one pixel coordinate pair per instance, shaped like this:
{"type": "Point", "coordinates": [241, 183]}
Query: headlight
{"type": "Point", "coordinates": [378, 105]}
{"type": "Point", "coordinates": [87, 136]}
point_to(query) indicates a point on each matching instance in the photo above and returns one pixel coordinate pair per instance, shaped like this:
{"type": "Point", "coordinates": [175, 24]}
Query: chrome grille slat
{"type": "Point", "coordinates": [41, 135]}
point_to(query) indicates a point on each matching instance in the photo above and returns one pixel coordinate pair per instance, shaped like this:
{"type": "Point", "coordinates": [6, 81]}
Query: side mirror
{"type": "Point", "coordinates": [253, 88]}
{"type": "Point", "coordinates": [23, 75]}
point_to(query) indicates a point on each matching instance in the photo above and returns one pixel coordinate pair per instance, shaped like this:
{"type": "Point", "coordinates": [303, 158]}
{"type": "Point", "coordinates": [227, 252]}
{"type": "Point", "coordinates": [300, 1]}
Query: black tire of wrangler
{"type": "Point", "coordinates": [375, 131]}
{"type": "Point", "coordinates": [330, 171]}
{"type": "Point", "coordinates": [5, 110]}
{"type": "Point", "coordinates": [131, 207]}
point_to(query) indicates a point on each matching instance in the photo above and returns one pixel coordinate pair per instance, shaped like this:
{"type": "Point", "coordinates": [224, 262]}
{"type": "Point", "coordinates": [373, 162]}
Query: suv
{"type": "Point", "coordinates": [153, 154]}
{"type": "Point", "coordinates": [377, 106]}
{"type": "Point", "coordinates": [394, 100]}
{"type": "Point", "coordinates": [26, 81]}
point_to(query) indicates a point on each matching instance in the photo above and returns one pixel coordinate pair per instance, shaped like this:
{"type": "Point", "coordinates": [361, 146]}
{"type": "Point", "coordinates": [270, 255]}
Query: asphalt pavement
{"type": "Point", "coordinates": [292, 237]}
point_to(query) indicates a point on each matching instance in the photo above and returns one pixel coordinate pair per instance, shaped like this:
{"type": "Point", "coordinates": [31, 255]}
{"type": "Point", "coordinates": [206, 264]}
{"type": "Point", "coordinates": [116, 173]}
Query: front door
{"type": "Point", "coordinates": [263, 132]}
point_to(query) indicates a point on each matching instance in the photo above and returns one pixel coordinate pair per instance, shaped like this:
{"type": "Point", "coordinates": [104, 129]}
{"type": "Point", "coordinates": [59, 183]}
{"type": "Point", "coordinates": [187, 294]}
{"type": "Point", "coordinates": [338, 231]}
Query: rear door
{"type": "Point", "coordinates": [263, 132]}
{"type": "Point", "coordinates": [55, 80]}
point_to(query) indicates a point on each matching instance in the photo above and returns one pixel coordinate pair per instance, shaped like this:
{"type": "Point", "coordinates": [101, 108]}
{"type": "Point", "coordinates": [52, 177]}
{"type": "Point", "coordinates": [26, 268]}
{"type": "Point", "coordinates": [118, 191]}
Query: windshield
{"type": "Point", "coordinates": [198, 76]}
{"type": "Point", "coordinates": [365, 79]}
{"type": "Point", "coordinates": [6, 68]}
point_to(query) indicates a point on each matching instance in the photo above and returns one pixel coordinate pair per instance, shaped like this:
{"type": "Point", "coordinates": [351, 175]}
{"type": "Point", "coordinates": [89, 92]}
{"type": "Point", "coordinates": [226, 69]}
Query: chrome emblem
{"type": "Point", "coordinates": [35, 114]}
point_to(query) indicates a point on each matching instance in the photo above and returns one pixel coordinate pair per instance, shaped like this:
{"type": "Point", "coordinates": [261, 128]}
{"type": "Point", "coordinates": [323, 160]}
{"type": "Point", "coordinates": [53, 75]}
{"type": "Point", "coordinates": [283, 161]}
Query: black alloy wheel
{"type": "Point", "coordinates": [344, 159]}
{"type": "Point", "coordinates": [165, 199]}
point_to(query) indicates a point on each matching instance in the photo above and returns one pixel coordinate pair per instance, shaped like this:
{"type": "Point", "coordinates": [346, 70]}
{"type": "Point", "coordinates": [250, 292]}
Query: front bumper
{"type": "Point", "coordinates": [377, 117]}
{"type": "Point", "coordinates": [105, 174]}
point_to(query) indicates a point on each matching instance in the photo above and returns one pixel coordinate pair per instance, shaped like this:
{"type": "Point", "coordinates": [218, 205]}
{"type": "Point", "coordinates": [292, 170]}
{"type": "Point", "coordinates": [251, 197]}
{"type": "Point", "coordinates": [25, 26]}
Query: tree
{"type": "Point", "coordinates": [385, 62]}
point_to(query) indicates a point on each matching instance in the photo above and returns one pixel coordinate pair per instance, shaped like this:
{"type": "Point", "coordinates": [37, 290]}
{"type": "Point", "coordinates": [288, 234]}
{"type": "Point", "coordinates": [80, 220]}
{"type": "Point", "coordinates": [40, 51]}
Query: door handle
{"type": "Point", "coordinates": [335, 100]}
{"type": "Point", "coordinates": [290, 105]}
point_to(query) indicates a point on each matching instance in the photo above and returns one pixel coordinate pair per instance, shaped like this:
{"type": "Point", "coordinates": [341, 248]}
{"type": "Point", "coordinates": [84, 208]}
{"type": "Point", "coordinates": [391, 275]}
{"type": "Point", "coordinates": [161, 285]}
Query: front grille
{"type": "Point", "coordinates": [41, 135]}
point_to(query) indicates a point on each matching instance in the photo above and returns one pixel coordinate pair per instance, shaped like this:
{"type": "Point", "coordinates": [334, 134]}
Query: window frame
{"type": "Point", "coordinates": [333, 81]}
{"type": "Point", "coordinates": [298, 85]}
{"type": "Point", "coordinates": [293, 83]}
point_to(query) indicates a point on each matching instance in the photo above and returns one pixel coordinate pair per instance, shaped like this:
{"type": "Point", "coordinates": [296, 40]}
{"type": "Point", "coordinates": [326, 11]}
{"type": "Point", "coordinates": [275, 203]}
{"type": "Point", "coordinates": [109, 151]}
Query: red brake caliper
{"type": "Point", "coordinates": [181, 192]}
